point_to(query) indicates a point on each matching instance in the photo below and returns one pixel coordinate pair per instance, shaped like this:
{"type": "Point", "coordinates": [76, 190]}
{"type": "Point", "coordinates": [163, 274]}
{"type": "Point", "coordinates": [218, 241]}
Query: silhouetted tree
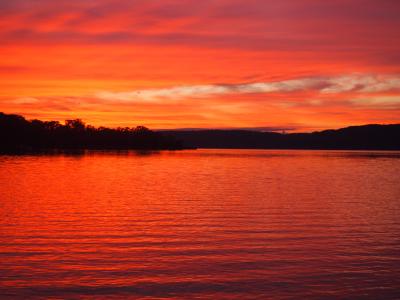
{"type": "Point", "coordinates": [17, 133]}
{"type": "Point", "coordinates": [76, 124]}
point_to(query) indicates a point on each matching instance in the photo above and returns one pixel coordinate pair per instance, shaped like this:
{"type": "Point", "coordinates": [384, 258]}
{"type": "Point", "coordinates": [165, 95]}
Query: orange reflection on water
{"type": "Point", "coordinates": [207, 223]}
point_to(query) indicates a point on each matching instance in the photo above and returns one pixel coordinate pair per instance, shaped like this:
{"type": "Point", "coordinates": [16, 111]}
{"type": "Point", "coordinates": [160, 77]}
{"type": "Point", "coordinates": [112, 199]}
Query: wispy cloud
{"type": "Point", "coordinates": [363, 84]}
{"type": "Point", "coordinates": [386, 101]}
{"type": "Point", "coordinates": [323, 85]}
{"type": "Point", "coordinates": [26, 100]}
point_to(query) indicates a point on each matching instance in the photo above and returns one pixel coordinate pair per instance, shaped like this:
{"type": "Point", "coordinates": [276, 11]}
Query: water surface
{"type": "Point", "coordinates": [205, 224]}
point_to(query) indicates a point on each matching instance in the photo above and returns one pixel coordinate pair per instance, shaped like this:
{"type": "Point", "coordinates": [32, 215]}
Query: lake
{"type": "Point", "coordinates": [201, 224]}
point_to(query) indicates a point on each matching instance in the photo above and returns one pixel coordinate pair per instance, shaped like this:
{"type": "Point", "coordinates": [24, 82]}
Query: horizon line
{"type": "Point", "coordinates": [277, 129]}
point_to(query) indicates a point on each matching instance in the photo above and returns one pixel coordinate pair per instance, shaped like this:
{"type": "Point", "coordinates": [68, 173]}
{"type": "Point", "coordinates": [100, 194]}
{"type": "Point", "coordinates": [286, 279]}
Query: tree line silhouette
{"type": "Point", "coordinates": [19, 134]}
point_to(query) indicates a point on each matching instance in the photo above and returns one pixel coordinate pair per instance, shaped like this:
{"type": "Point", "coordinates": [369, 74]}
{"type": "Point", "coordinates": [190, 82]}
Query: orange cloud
{"type": "Point", "coordinates": [170, 63]}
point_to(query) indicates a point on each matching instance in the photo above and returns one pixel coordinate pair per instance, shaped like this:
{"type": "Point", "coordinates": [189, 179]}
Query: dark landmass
{"type": "Point", "coordinates": [367, 137]}
{"type": "Point", "coordinates": [20, 135]}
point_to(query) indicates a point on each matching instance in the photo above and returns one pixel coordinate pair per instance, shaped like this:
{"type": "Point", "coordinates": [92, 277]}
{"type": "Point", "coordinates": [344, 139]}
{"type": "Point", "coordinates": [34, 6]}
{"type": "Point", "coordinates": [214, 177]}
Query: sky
{"type": "Point", "coordinates": [298, 65]}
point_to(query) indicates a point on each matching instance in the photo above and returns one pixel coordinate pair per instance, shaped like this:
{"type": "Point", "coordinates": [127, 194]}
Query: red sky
{"type": "Point", "coordinates": [303, 64]}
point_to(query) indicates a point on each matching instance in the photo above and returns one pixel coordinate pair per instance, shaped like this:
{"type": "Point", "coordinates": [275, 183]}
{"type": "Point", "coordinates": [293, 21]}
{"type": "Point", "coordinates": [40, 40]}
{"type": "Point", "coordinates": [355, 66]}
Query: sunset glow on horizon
{"type": "Point", "coordinates": [297, 65]}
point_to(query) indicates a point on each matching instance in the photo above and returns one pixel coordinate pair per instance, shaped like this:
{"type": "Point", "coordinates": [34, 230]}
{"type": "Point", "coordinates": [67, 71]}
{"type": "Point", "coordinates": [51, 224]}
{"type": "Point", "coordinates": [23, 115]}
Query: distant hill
{"type": "Point", "coordinates": [19, 135]}
{"type": "Point", "coordinates": [367, 137]}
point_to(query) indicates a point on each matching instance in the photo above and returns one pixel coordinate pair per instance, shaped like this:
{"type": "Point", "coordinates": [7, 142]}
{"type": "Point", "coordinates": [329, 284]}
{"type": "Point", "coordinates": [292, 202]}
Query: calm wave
{"type": "Point", "coordinates": [205, 224]}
